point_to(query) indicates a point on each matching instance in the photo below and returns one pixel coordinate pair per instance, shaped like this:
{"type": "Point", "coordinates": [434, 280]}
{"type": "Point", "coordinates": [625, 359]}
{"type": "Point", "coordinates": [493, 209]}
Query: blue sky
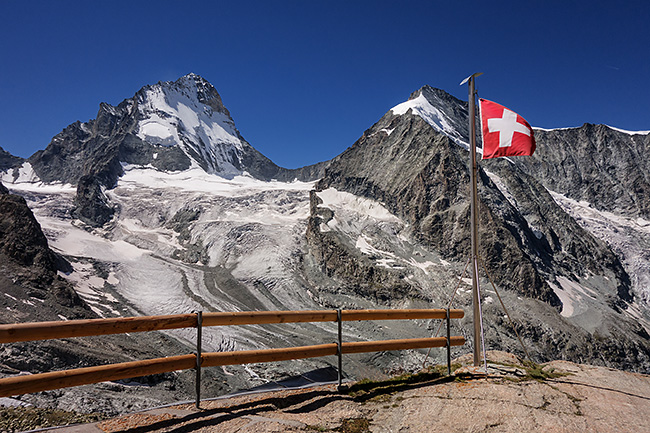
{"type": "Point", "coordinates": [304, 79]}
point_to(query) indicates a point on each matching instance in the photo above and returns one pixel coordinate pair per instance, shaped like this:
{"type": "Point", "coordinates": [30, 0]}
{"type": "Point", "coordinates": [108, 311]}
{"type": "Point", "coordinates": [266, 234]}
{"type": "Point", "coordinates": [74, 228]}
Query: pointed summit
{"type": "Point", "coordinates": [170, 126]}
{"type": "Point", "coordinates": [199, 87]}
{"type": "Point", "coordinates": [439, 109]}
{"type": "Point", "coordinates": [167, 126]}
{"type": "Point", "coordinates": [189, 113]}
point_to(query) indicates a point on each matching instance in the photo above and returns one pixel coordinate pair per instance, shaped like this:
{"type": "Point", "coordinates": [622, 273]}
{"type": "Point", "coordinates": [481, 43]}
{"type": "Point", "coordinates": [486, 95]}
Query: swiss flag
{"type": "Point", "coordinates": [505, 133]}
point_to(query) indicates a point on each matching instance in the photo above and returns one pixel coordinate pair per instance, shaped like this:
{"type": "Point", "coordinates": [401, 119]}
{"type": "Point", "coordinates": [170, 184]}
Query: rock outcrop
{"type": "Point", "coordinates": [514, 398]}
{"type": "Point", "coordinates": [28, 268]}
{"type": "Point", "coordinates": [8, 161]}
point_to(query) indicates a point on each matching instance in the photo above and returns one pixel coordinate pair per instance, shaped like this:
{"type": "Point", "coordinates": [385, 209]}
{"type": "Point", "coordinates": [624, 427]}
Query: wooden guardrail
{"type": "Point", "coordinates": [18, 332]}
{"type": "Point", "coordinates": [25, 384]}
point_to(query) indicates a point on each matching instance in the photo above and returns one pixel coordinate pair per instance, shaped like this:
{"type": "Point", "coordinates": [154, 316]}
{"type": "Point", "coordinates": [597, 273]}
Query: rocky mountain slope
{"type": "Point", "coordinates": [603, 166]}
{"type": "Point", "coordinates": [529, 244]}
{"type": "Point", "coordinates": [599, 175]}
{"type": "Point", "coordinates": [160, 207]}
{"type": "Point", "coordinates": [170, 126]}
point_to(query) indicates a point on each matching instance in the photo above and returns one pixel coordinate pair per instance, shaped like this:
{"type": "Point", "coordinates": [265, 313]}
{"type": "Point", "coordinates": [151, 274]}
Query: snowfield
{"type": "Point", "coordinates": [628, 237]}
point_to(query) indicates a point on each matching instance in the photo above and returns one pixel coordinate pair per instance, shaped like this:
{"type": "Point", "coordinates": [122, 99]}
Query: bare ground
{"type": "Point", "coordinates": [560, 397]}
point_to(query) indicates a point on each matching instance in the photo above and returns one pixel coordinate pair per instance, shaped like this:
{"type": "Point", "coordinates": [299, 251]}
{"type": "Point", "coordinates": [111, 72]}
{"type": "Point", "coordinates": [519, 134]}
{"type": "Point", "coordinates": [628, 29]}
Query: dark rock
{"type": "Point", "coordinates": [424, 179]}
{"type": "Point", "coordinates": [9, 161]}
{"type": "Point", "coordinates": [21, 237]}
{"type": "Point", "coordinates": [91, 204]}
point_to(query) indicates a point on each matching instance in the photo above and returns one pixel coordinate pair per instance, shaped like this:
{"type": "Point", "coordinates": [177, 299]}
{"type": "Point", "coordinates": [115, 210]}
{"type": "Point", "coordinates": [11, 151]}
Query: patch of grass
{"type": "Point", "coordinates": [355, 425]}
{"type": "Point", "coordinates": [538, 373]}
{"type": "Point", "coordinates": [442, 368]}
{"type": "Point", "coordinates": [381, 398]}
{"type": "Point", "coordinates": [316, 428]}
{"type": "Point", "coordinates": [533, 371]}
{"type": "Point", "coordinates": [367, 389]}
{"type": "Point", "coordinates": [17, 419]}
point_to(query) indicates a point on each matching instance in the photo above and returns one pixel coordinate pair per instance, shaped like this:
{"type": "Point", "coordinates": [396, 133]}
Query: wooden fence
{"type": "Point", "coordinates": [21, 332]}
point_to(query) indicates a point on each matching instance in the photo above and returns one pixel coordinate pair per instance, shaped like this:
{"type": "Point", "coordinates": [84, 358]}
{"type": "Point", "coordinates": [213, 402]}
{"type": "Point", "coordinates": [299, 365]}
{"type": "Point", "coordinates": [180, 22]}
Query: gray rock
{"type": "Point", "coordinates": [91, 204]}
{"type": "Point", "coordinates": [8, 161]}
{"type": "Point", "coordinates": [605, 167]}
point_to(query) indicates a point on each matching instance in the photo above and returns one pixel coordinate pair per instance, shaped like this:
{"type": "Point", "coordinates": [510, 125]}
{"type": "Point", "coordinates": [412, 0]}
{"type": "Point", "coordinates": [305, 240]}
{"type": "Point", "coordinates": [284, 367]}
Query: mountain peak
{"type": "Point", "coordinates": [194, 85]}
{"type": "Point", "coordinates": [188, 113]}
{"type": "Point", "coordinates": [445, 113]}
{"type": "Point", "coordinates": [431, 92]}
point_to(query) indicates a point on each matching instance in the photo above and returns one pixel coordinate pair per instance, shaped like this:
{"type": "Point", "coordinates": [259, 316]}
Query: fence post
{"type": "Point", "coordinates": [448, 343]}
{"type": "Point", "coordinates": [340, 345]}
{"type": "Point", "coordinates": [199, 329]}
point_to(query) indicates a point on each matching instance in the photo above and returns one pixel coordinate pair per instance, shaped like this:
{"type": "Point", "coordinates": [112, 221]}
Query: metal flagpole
{"type": "Point", "coordinates": [473, 172]}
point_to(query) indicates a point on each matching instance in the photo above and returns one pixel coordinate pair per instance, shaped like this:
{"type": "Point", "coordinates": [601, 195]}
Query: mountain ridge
{"type": "Point", "coordinates": [170, 126]}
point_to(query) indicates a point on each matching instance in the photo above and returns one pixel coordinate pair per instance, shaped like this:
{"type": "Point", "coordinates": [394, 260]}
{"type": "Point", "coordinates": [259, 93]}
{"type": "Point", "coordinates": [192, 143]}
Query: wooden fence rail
{"type": "Point", "coordinates": [25, 384]}
{"type": "Point", "coordinates": [17, 332]}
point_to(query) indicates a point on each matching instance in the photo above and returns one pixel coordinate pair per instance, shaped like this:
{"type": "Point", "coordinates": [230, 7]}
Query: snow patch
{"type": "Point", "coordinates": [500, 184]}
{"type": "Point", "coordinates": [153, 131]}
{"type": "Point", "coordinates": [629, 237]}
{"type": "Point", "coordinates": [197, 180]}
{"type": "Point", "coordinates": [370, 208]}
{"type": "Point", "coordinates": [624, 131]}
{"type": "Point", "coordinates": [433, 116]}
{"type": "Point", "coordinates": [422, 265]}
{"type": "Point", "coordinates": [535, 128]}
{"type": "Point", "coordinates": [28, 181]}
{"type": "Point", "coordinates": [363, 244]}
{"type": "Point", "coordinates": [24, 174]}
{"type": "Point", "coordinates": [572, 295]}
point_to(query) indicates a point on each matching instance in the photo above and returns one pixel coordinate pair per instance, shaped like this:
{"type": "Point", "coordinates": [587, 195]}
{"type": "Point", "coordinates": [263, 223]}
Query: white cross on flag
{"type": "Point", "coordinates": [505, 133]}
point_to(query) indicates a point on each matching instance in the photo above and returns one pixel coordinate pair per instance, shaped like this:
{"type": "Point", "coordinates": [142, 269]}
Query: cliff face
{"type": "Point", "coordinates": [530, 246]}
{"type": "Point", "coordinates": [8, 161]}
{"type": "Point", "coordinates": [421, 175]}
{"type": "Point", "coordinates": [29, 267]}
{"type": "Point", "coordinates": [603, 166]}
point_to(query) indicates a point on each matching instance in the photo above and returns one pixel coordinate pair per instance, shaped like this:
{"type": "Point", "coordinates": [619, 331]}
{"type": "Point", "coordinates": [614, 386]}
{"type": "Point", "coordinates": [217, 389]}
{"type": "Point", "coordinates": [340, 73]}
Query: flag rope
{"type": "Point", "coordinates": [480, 314]}
{"type": "Point", "coordinates": [506, 311]}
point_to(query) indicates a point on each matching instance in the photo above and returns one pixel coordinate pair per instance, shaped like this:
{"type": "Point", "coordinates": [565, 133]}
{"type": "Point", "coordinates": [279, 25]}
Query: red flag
{"type": "Point", "coordinates": [505, 133]}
